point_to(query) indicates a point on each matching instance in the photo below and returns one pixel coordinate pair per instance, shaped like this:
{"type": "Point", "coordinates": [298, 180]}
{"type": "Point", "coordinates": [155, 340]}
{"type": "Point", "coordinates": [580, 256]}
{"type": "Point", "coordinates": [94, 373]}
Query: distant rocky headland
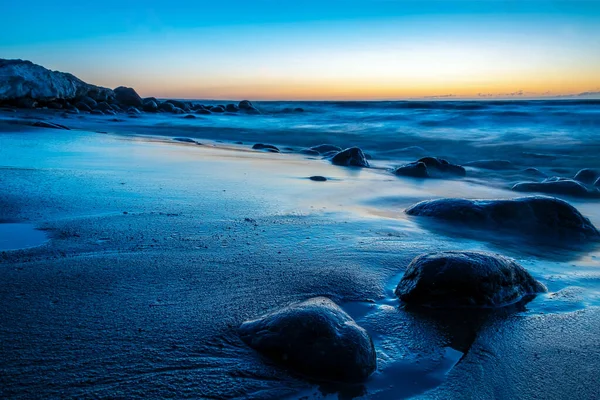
{"type": "Point", "coordinates": [24, 84]}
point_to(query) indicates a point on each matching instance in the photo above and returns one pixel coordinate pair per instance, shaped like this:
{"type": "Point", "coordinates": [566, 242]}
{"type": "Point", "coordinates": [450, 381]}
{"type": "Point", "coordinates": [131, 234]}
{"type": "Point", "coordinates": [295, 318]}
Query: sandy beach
{"type": "Point", "coordinates": [150, 252]}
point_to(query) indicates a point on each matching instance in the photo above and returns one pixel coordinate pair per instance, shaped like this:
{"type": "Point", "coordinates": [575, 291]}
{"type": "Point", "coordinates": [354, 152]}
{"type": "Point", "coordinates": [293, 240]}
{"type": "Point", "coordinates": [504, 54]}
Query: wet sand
{"type": "Point", "coordinates": [158, 250]}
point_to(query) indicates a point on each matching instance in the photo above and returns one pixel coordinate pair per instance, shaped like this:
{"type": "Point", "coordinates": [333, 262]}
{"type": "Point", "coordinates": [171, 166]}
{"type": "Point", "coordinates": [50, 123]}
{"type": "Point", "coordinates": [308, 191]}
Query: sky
{"type": "Point", "coordinates": [315, 50]}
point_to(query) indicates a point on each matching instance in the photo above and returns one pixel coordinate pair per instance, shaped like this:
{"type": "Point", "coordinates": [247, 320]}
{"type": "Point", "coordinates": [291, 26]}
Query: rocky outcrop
{"type": "Point", "coordinates": [352, 157]}
{"type": "Point", "coordinates": [247, 107]}
{"type": "Point", "coordinates": [465, 279]}
{"type": "Point", "coordinates": [315, 338]}
{"type": "Point", "coordinates": [537, 216]}
{"type": "Point", "coordinates": [25, 80]}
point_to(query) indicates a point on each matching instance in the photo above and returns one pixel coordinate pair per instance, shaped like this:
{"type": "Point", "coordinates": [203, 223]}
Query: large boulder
{"type": "Point", "coordinates": [555, 185]}
{"type": "Point", "coordinates": [465, 279]}
{"type": "Point", "coordinates": [24, 79]}
{"type": "Point", "coordinates": [534, 215]}
{"type": "Point", "coordinates": [352, 157]}
{"type": "Point", "coordinates": [128, 97]}
{"type": "Point", "coordinates": [166, 107]}
{"type": "Point", "coordinates": [179, 104]}
{"type": "Point", "coordinates": [440, 168]}
{"type": "Point", "coordinates": [150, 106]}
{"type": "Point", "coordinates": [315, 338]}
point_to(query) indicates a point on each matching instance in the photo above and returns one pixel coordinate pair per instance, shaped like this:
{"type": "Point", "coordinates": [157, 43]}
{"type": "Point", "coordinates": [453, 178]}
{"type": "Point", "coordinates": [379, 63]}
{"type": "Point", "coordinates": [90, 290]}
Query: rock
{"type": "Point", "coordinates": [414, 170]}
{"type": "Point", "coordinates": [587, 176]}
{"type": "Point", "coordinates": [149, 99]}
{"type": "Point", "coordinates": [465, 279]}
{"type": "Point", "coordinates": [133, 110]}
{"type": "Point", "coordinates": [25, 102]}
{"type": "Point", "coordinates": [218, 109]}
{"type": "Point", "coordinates": [178, 110]}
{"type": "Point", "coordinates": [83, 107]}
{"type": "Point", "coordinates": [352, 157]}
{"type": "Point", "coordinates": [491, 164]}
{"type": "Point", "coordinates": [298, 109]}
{"type": "Point", "coordinates": [24, 79]}
{"type": "Point", "coordinates": [534, 172]}
{"type": "Point", "coordinates": [55, 106]}
{"type": "Point", "coordinates": [97, 112]}
{"type": "Point", "coordinates": [71, 109]}
{"type": "Point", "coordinates": [44, 124]}
{"type": "Point", "coordinates": [110, 112]}
{"type": "Point", "coordinates": [554, 186]}
{"type": "Point", "coordinates": [103, 106]}
{"type": "Point", "coordinates": [309, 152]}
{"type": "Point", "coordinates": [248, 107]}
{"type": "Point", "coordinates": [535, 215]}
{"type": "Point", "coordinates": [231, 108]}
{"type": "Point", "coordinates": [88, 101]}
{"type": "Point", "coordinates": [318, 178]}
{"type": "Point", "coordinates": [326, 148]}
{"type": "Point", "coordinates": [597, 183]}
{"type": "Point", "coordinates": [203, 111]}
{"type": "Point", "coordinates": [150, 106]}
{"type": "Point", "coordinates": [128, 97]}
{"type": "Point", "coordinates": [315, 338]}
{"type": "Point", "coordinates": [190, 116]}
{"type": "Point", "coordinates": [440, 168]}
{"type": "Point", "coordinates": [268, 147]}
{"type": "Point", "coordinates": [184, 140]}
{"type": "Point", "coordinates": [166, 106]}
{"type": "Point", "coordinates": [179, 104]}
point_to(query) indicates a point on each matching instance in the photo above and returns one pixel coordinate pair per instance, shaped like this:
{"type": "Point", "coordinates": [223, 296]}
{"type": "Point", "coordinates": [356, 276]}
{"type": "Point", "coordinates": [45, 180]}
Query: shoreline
{"type": "Point", "coordinates": [159, 249]}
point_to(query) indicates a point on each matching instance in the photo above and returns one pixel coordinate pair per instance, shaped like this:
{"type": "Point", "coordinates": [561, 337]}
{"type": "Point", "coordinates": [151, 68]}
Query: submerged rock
{"type": "Point", "coordinates": [318, 178]}
{"type": "Point", "coordinates": [218, 109]}
{"type": "Point", "coordinates": [326, 148]}
{"type": "Point", "coordinates": [491, 164]}
{"type": "Point", "coordinates": [534, 172]}
{"type": "Point", "coordinates": [44, 124]}
{"type": "Point", "coordinates": [440, 168]}
{"type": "Point", "coordinates": [352, 157]}
{"type": "Point", "coordinates": [534, 215]}
{"type": "Point", "coordinates": [268, 147]}
{"type": "Point", "coordinates": [128, 97]}
{"type": "Point", "coordinates": [465, 279]}
{"type": "Point", "coordinates": [184, 140]}
{"type": "Point", "coordinates": [190, 116]}
{"type": "Point", "coordinates": [587, 175]}
{"type": "Point", "coordinates": [203, 111]}
{"type": "Point", "coordinates": [179, 104]}
{"type": "Point", "coordinates": [315, 338]}
{"type": "Point", "coordinates": [309, 152]}
{"type": "Point", "coordinates": [554, 186]}
{"type": "Point", "coordinates": [413, 170]}
{"type": "Point", "coordinates": [232, 108]}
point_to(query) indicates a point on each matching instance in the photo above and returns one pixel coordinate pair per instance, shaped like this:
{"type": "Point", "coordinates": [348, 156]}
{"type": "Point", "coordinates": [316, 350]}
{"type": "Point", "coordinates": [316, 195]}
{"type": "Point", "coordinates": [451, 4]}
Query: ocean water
{"type": "Point", "coordinates": [462, 130]}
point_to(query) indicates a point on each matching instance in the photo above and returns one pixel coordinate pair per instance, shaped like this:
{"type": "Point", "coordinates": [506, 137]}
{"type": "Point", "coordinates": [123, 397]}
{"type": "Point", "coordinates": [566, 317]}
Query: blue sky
{"type": "Point", "coordinates": [270, 49]}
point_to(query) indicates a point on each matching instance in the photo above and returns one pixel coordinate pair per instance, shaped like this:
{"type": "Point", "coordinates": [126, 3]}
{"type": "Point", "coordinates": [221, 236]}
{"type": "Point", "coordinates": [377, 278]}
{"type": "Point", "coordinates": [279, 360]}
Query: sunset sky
{"type": "Point", "coordinates": [326, 49]}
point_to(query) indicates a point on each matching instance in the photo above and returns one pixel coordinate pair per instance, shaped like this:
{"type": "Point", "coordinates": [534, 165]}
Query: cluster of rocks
{"type": "Point", "coordinates": [430, 167]}
{"type": "Point", "coordinates": [586, 183]}
{"type": "Point", "coordinates": [27, 85]}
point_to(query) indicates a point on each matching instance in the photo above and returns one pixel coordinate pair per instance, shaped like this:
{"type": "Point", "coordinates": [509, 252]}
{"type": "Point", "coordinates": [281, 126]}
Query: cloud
{"type": "Point", "coordinates": [440, 96]}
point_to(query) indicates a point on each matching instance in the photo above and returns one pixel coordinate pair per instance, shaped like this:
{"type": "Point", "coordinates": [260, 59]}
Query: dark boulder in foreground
{"type": "Point", "coordinates": [326, 148]}
{"type": "Point", "coordinates": [562, 186]}
{"type": "Point", "coordinates": [440, 168]}
{"type": "Point", "coordinates": [352, 157]}
{"type": "Point", "coordinates": [128, 97]}
{"type": "Point", "coordinates": [248, 107]}
{"type": "Point", "coordinates": [413, 170]}
{"type": "Point", "coordinates": [315, 338]}
{"type": "Point", "coordinates": [268, 147]}
{"type": "Point", "coordinates": [536, 215]}
{"type": "Point", "coordinates": [318, 178]}
{"type": "Point", "coordinates": [465, 279]}
{"type": "Point", "coordinates": [497, 165]}
{"type": "Point", "coordinates": [587, 176]}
